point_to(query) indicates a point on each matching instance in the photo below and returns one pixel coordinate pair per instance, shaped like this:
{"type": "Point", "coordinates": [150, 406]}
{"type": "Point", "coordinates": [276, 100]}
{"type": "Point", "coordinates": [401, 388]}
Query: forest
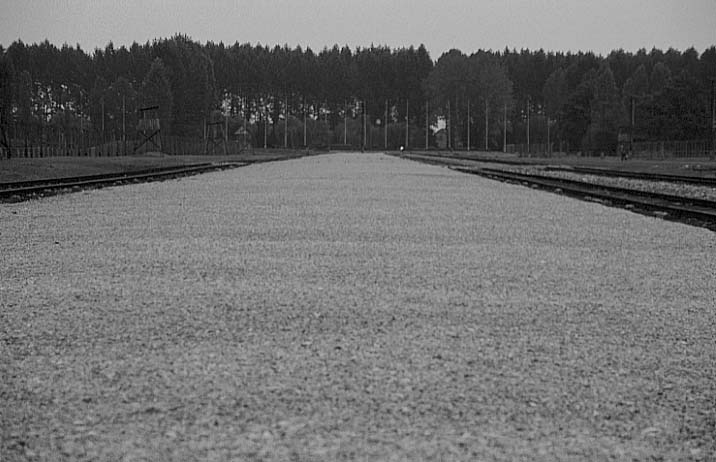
{"type": "Point", "coordinates": [373, 96]}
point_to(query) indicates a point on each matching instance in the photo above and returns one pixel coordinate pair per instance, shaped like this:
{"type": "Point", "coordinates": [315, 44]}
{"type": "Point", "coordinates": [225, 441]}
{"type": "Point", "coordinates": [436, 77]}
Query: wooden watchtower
{"type": "Point", "coordinates": [215, 135]}
{"type": "Point", "coordinates": [148, 129]}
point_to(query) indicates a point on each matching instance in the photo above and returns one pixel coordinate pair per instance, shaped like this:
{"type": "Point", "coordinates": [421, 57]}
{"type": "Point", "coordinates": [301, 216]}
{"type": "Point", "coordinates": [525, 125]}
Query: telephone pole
{"type": "Point", "coordinates": [713, 119]}
{"type": "Point", "coordinates": [102, 119]}
{"type": "Point", "coordinates": [549, 147]}
{"type": "Point", "coordinates": [528, 125]}
{"type": "Point", "coordinates": [385, 122]}
{"type": "Point", "coordinates": [407, 127]}
{"type": "Point", "coordinates": [456, 130]}
{"type": "Point", "coordinates": [265, 127]}
{"type": "Point", "coordinates": [504, 131]}
{"type": "Point", "coordinates": [447, 124]}
{"type": "Point", "coordinates": [305, 139]}
{"type": "Point", "coordinates": [633, 120]}
{"type": "Point", "coordinates": [124, 126]}
{"type": "Point", "coordinates": [243, 116]}
{"type": "Point", "coordinates": [365, 125]}
{"type": "Point", "coordinates": [487, 126]}
{"type": "Point", "coordinates": [427, 126]}
{"type": "Point", "coordinates": [468, 124]}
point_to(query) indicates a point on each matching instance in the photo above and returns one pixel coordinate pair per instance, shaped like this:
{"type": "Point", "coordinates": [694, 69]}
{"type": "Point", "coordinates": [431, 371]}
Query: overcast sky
{"type": "Point", "coordinates": [596, 25]}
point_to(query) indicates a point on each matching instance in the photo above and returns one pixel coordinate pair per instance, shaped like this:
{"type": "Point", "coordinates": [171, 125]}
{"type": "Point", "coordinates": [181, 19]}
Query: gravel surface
{"type": "Point", "coordinates": [352, 307]}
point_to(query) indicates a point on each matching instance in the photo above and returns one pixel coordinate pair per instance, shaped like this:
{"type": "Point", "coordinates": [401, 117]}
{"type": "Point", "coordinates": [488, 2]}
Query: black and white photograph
{"type": "Point", "coordinates": [372, 230]}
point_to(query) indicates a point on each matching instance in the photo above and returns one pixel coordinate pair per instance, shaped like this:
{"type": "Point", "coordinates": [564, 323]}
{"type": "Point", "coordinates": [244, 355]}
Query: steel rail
{"type": "Point", "coordinates": [468, 158]}
{"type": "Point", "coordinates": [22, 190]}
{"type": "Point", "coordinates": [43, 186]}
{"type": "Point", "coordinates": [695, 180]}
{"type": "Point", "coordinates": [100, 176]}
{"type": "Point", "coordinates": [616, 189]}
{"type": "Point", "coordinates": [678, 206]}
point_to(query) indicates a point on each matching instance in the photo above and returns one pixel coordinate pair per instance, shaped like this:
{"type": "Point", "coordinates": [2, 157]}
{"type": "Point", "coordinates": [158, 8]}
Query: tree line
{"type": "Point", "coordinates": [373, 95]}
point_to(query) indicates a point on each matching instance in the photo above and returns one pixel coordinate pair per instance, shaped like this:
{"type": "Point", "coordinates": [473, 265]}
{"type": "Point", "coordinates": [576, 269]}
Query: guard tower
{"type": "Point", "coordinates": [148, 129]}
{"type": "Point", "coordinates": [215, 135]}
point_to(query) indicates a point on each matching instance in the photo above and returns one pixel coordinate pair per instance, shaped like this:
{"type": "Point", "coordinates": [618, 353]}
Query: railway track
{"type": "Point", "coordinates": [23, 190]}
{"type": "Point", "coordinates": [694, 211]}
{"type": "Point", "coordinates": [472, 160]}
{"type": "Point", "coordinates": [439, 158]}
{"type": "Point", "coordinates": [696, 180]}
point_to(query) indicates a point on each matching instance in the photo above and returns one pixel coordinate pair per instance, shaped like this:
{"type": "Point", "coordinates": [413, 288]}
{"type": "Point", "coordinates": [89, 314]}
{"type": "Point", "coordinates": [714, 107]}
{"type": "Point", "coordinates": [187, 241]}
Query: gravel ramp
{"type": "Point", "coordinates": [352, 307]}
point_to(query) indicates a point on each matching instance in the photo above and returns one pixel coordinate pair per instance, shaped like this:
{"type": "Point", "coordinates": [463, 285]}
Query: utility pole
{"type": "Point", "coordinates": [305, 144]}
{"type": "Point", "coordinates": [81, 138]}
{"type": "Point", "coordinates": [549, 147]}
{"type": "Point", "coordinates": [468, 124]}
{"type": "Point", "coordinates": [713, 119]}
{"type": "Point", "coordinates": [487, 126]}
{"type": "Point", "coordinates": [633, 124]}
{"type": "Point", "coordinates": [456, 130]}
{"type": "Point", "coordinates": [504, 131]}
{"type": "Point", "coordinates": [102, 119]}
{"type": "Point", "coordinates": [285, 124]}
{"type": "Point", "coordinates": [243, 116]}
{"type": "Point", "coordinates": [265, 127]}
{"type": "Point", "coordinates": [385, 122]}
{"type": "Point", "coordinates": [528, 125]}
{"type": "Point", "coordinates": [407, 127]}
{"type": "Point", "coordinates": [365, 125]}
{"type": "Point", "coordinates": [345, 122]}
{"type": "Point", "coordinates": [206, 144]}
{"type": "Point", "coordinates": [124, 125]}
{"type": "Point", "coordinates": [427, 126]}
{"type": "Point", "coordinates": [447, 123]}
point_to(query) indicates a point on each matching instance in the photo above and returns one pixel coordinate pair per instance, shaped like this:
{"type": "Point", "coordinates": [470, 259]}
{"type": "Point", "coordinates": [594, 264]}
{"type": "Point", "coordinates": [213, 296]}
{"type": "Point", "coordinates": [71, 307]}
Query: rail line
{"type": "Point", "coordinates": [23, 190]}
{"type": "Point", "coordinates": [694, 211]}
{"type": "Point", "coordinates": [647, 176]}
{"type": "Point", "coordinates": [69, 180]}
{"type": "Point", "coordinates": [696, 180]}
{"type": "Point", "coordinates": [465, 157]}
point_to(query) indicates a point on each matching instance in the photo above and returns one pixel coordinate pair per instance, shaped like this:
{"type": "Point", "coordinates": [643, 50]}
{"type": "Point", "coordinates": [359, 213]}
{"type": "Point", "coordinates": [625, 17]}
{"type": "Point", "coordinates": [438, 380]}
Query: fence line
{"type": "Point", "coordinates": [534, 149]}
{"type": "Point", "coordinates": [171, 145]}
{"type": "Point", "coordinates": [34, 142]}
{"type": "Point", "coordinates": [656, 150]}
{"type": "Point", "coordinates": [651, 150]}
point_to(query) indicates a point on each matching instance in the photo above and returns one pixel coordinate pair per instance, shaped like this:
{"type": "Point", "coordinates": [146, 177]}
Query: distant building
{"type": "Point", "coordinates": [243, 136]}
{"type": "Point", "coordinates": [441, 139]}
